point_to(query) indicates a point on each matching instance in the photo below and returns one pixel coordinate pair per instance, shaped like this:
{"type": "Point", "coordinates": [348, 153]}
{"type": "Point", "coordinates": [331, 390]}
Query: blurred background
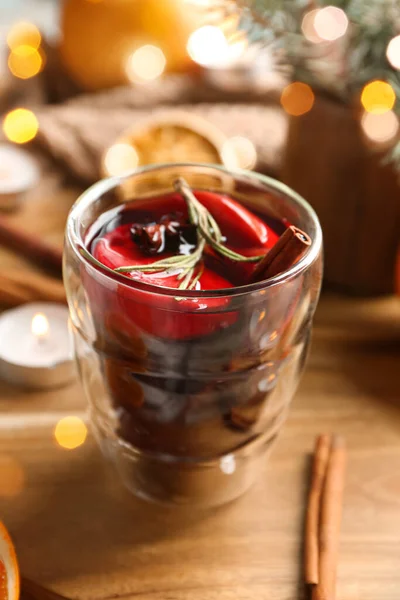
{"type": "Point", "coordinates": [307, 94]}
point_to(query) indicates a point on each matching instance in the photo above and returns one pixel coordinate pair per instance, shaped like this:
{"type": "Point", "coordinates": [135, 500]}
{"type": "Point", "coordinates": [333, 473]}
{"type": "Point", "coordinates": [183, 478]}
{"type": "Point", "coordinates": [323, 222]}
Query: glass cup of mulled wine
{"type": "Point", "coordinates": [191, 292]}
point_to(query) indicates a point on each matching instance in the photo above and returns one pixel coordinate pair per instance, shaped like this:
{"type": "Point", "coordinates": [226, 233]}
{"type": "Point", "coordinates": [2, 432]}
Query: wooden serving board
{"type": "Point", "coordinates": [79, 532]}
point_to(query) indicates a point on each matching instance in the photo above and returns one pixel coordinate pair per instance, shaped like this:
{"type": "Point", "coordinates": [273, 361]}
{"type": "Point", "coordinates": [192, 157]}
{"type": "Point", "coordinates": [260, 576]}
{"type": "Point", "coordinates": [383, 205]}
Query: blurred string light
{"type": "Point", "coordinates": [297, 98]}
{"type": "Point", "coordinates": [380, 128]}
{"type": "Point", "coordinates": [202, 3]}
{"type": "Point", "coordinates": [120, 158]}
{"type": "Point", "coordinates": [331, 23]}
{"type": "Point", "coordinates": [243, 149]}
{"type": "Point", "coordinates": [24, 34]}
{"type": "Point", "coordinates": [393, 52]}
{"type": "Point", "coordinates": [208, 46]}
{"type": "Point", "coordinates": [308, 29]}
{"type": "Point", "coordinates": [26, 58]}
{"type": "Point", "coordinates": [145, 64]}
{"type": "Point", "coordinates": [20, 125]}
{"type": "Point", "coordinates": [325, 24]}
{"type": "Point", "coordinates": [70, 432]}
{"type": "Point", "coordinates": [25, 61]}
{"type": "Point", "coordinates": [378, 97]}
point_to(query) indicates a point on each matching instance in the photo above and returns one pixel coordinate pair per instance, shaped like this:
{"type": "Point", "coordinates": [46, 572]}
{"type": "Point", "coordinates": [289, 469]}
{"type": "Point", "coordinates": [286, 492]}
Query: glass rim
{"type": "Point", "coordinates": [105, 185]}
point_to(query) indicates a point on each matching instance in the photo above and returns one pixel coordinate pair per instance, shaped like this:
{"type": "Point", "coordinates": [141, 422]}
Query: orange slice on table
{"type": "Point", "coordinates": [9, 571]}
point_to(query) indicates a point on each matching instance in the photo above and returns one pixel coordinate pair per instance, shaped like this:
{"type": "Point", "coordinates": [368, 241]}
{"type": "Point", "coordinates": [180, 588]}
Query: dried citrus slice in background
{"type": "Point", "coordinates": [9, 571]}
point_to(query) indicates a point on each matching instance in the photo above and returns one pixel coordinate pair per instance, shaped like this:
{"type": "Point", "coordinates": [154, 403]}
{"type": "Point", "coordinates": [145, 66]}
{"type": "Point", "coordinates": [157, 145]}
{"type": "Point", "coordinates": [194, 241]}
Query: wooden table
{"type": "Point", "coordinates": [79, 532]}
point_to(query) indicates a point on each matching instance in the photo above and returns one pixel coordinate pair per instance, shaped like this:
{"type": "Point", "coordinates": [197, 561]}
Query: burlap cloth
{"type": "Point", "coordinates": [75, 132]}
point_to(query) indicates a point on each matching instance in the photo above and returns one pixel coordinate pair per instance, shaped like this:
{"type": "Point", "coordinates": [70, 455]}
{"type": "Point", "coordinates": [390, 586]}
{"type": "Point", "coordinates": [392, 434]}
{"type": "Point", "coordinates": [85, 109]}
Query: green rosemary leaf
{"type": "Point", "coordinates": [196, 279]}
{"type": "Point", "coordinates": [214, 227]}
{"type": "Point", "coordinates": [227, 252]}
{"type": "Point", "coordinates": [185, 283]}
{"type": "Point", "coordinates": [204, 225]}
{"type": "Point", "coordinates": [208, 231]}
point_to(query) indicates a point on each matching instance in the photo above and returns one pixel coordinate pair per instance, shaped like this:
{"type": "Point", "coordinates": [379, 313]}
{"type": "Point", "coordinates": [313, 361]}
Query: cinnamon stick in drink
{"type": "Point", "coordinates": [287, 250]}
{"type": "Point", "coordinates": [30, 246]}
{"type": "Point", "coordinates": [311, 551]}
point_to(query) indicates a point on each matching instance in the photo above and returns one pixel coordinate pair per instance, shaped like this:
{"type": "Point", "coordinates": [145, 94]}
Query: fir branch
{"type": "Point", "coordinates": [359, 57]}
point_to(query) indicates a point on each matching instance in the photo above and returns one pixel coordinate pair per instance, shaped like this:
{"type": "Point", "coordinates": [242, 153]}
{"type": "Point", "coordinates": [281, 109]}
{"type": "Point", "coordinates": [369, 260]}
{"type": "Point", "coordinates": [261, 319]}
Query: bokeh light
{"type": "Point", "coordinates": [208, 46]}
{"type": "Point", "coordinates": [12, 477]}
{"type": "Point", "coordinates": [120, 158]}
{"type": "Point", "coordinates": [20, 125]}
{"type": "Point", "coordinates": [297, 98]}
{"type": "Point", "coordinates": [24, 34]}
{"type": "Point", "coordinates": [378, 97]}
{"type": "Point", "coordinates": [330, 23]}
{"type": "Point", "coordinates": [228, 464]}
{"type": "Point", "coordinates": [202, 3]}
{"type": "Point", "coordinates": [380, 128]}
{"type": "Point", "coordinates": [145, 64]}
{"type": "Point", "coordinates": [243, 149]}
{"type": "Point", "coordinates": [25, 61]}
{"type": "Point", "coordinates": [393, 52]}
{"type": "Point", "coordinates": [70, 432]}
{"type": "Point", "coordinates": [308, 28]}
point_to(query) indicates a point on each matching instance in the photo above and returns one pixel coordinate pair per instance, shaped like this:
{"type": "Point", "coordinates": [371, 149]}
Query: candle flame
{"type": "Point", "coordinates": [40, 326]}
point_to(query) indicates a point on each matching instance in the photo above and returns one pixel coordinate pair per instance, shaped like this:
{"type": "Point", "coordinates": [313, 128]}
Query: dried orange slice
{"type": "Point", "coordinates": [9, 571]}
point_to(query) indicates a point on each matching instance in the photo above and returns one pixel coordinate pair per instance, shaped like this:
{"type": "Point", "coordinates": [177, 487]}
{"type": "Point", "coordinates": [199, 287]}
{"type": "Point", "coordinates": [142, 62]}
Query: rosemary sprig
{"type": "Point", "coordinates": [207, 231]}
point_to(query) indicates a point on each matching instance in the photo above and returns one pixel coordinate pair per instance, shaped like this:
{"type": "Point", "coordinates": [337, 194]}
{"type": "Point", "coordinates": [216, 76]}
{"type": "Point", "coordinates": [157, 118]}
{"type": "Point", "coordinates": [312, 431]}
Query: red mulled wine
{"type": "Point", "coordinates": [182, 413]}
{"type": "Point", "coordinates": [159, 227]}
{"type": "Point", "coordinates": [190, 329]}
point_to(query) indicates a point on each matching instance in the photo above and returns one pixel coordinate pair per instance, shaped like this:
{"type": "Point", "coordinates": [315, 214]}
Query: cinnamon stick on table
{"type": "Point", "coordinates": [288, 249]}
{"type": "Point", "coordinates": [30, 246]}
{"type": "Point", "coordinates": [19, 288]}
{"type": "Point", "coordinates": [321, 550]}
{"type": "Point", "coordinates": [311, 552]}
{"type": "Point", "coordinates": [331, 516]}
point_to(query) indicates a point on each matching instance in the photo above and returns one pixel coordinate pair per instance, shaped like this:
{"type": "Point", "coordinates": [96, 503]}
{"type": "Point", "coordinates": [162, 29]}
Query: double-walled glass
{"type": "Point", "coordinates": [188, 390]}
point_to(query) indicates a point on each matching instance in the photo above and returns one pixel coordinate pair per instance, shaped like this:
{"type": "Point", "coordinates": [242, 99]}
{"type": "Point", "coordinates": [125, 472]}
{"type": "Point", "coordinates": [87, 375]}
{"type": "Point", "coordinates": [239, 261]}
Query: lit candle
{"type": "Point", "coordinates": [18, 174]}
{"type": "Point", "coordinates": [40, 327]}
{"type": "Point", "coordinates": [35, 346]}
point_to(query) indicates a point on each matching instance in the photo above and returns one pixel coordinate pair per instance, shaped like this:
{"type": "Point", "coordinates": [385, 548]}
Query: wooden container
{"type": "Point", "coordinates": [329, 161]}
